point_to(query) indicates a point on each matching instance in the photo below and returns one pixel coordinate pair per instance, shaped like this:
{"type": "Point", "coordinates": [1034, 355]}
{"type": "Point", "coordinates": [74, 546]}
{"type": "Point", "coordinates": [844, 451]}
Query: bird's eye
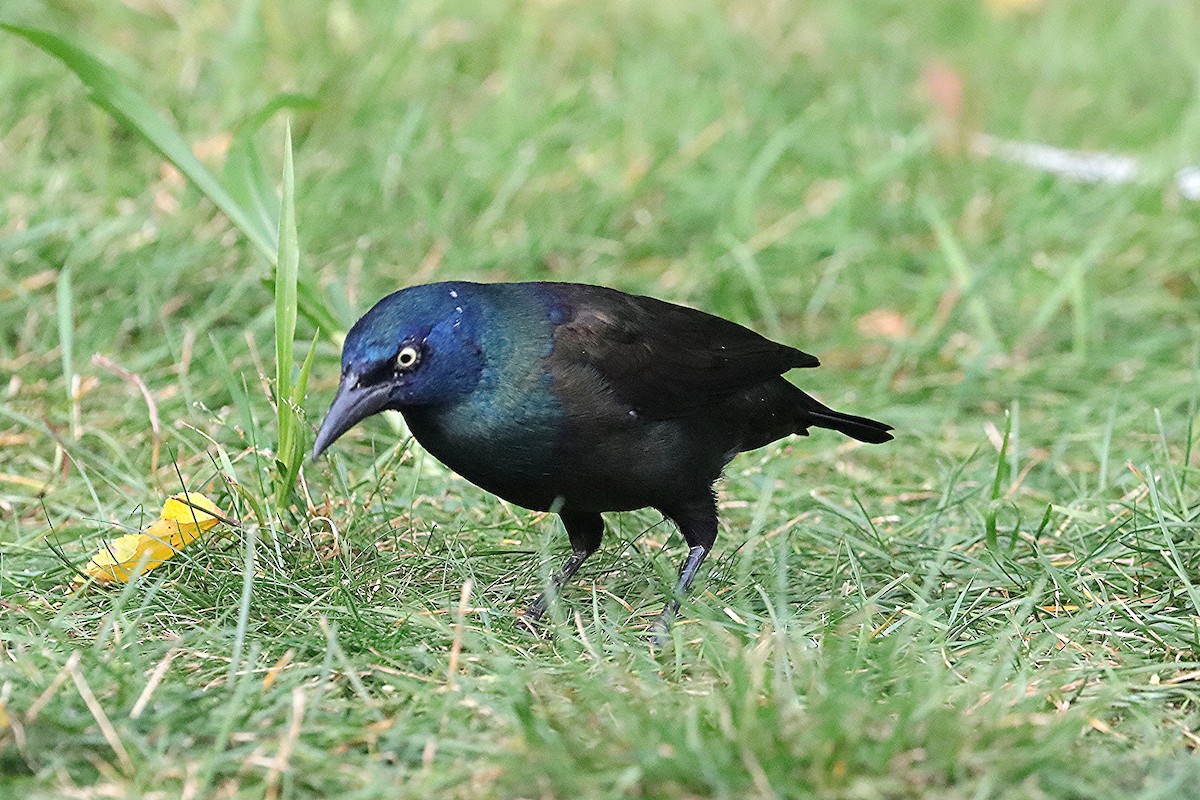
{"type": "Point", "coordinates": [407, 358]}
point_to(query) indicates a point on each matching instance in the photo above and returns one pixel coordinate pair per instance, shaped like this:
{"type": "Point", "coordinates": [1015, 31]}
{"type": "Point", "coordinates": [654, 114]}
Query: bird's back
{"type": "Point", "coordinates": [607, 401]}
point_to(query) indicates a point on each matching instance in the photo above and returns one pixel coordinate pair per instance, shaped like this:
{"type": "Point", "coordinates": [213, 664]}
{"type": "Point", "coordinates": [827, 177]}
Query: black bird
{"type": "Point", "coordinates": [578, 399]}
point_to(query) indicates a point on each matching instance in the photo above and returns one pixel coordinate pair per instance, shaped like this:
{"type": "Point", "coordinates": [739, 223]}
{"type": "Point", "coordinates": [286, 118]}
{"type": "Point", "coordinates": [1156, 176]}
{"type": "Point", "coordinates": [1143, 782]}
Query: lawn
{"type": "Point", "coordinates": [1004, 602]}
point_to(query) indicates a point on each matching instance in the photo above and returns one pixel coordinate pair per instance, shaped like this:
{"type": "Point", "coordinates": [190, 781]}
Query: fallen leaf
{"type": "Point", "coordinates": [180, 525]}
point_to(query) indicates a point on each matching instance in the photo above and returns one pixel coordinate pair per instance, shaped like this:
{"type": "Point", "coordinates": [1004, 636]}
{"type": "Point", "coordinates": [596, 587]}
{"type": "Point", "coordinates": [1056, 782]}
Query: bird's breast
{"type": "Point", "coordinates": [512, 450]}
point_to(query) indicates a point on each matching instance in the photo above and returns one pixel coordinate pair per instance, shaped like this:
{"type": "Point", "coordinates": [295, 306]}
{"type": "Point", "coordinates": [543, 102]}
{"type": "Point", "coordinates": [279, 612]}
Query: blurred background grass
{"type": "Point", "coordinates": [941, 616]}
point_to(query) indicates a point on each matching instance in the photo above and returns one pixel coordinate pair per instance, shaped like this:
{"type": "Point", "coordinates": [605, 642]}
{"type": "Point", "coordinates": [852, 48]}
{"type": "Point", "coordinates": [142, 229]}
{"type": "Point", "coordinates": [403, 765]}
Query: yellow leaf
{"type": "Point", "coordinates": [180, 525]}
{"type": "Point", "coordinates": [178, 510]}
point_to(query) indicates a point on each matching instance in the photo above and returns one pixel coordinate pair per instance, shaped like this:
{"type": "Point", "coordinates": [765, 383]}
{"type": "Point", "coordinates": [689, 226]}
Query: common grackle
{"type": "Point", "coordinates": [578, 399]}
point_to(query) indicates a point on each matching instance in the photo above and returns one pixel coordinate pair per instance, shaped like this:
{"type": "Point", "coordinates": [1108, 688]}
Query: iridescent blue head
{"type": "Point", "coordinates": [417, 347]}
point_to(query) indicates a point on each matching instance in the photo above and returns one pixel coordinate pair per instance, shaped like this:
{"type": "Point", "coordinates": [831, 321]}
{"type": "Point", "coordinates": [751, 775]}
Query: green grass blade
{"type": "Point", "coordinates": [960, 272]}
{"type": "Point", "coordinates": [297, 446]}
{"type": "Point", "coordinates": [114, 95]}
{"type": "Point", "coordinates": [286, 273]}
{"type": "Point", "coordinates": [317, 313]}
{"type": "Point", "coordinates": [1002, 473]}
{"type": "Point", "coordinates": [285, 278]}
{"type": "Point", "coordinates": [301, 386]}
{"type": "Point", "coordinates": [248, 184]}
{"type": "Point", "coordinates": [243, 617]}
{"type": "Point", "coordinates": [66, 328]}
{"type": "Point", "coordinates": [243, 174]}
{"type": "Point", "coordinates": [108, 90]}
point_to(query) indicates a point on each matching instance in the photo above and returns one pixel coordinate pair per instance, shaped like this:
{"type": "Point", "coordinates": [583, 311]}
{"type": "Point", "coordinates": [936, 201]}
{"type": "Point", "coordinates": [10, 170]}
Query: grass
{"type": "Point", "coordinates": [1002, 603]}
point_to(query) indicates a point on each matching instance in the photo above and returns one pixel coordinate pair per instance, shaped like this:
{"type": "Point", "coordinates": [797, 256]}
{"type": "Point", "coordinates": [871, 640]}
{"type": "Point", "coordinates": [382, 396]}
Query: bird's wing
{"type": "Point", "coordinates": [660, 358]}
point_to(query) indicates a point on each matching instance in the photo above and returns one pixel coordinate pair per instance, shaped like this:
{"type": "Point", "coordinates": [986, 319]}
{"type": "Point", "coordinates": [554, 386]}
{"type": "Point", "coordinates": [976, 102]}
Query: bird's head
{"type": "Point", "coordinates": [416, 347]}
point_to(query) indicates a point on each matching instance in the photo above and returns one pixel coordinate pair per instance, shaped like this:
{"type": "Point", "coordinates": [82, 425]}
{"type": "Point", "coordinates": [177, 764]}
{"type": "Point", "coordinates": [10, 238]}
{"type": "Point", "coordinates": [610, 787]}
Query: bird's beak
{"type": "Point", "coordinates": [352, 404]}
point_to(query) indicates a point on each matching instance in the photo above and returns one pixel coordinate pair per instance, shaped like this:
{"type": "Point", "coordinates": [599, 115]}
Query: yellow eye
{"type": "Point", "coordinates": [407, 358]}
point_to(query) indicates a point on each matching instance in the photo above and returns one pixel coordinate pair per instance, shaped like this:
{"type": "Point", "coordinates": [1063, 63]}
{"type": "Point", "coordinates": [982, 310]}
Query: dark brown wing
{"type": "Point", "coordinates": [660, 358]}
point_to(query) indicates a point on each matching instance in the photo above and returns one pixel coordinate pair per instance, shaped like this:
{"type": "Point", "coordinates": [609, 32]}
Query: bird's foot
{"type": "Point", "coordinates": [537, 609]}
{"type": "Point", "coordinates": [660, 630]}
{"type": "Point", "coordinates": [531, 617]}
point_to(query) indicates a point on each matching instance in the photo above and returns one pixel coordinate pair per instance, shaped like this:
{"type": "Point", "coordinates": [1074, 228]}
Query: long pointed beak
{"type": "Point", "coordinates": [352, 404]}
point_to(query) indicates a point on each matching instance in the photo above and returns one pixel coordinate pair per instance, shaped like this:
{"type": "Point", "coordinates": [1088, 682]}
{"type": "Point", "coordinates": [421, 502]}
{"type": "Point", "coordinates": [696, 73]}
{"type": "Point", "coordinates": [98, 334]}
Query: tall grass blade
{"type": "Point", "coordinates": [287, 272]}
{"type": "Point", "coordinates": [108, 90]}
{"type": "Point", "coordinates": [243, 174]}
{"type": "Point", "coordinates": [1002, 473]}
{"type": "Point", "coordinates": [961, 273]}
{"type": "Point", "coordinates": [66, 328]}
{"type": "Point", "coordinates": [243, 617]}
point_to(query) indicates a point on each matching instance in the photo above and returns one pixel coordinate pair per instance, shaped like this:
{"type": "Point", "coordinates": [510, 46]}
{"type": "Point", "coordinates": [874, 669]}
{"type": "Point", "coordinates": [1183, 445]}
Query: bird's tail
{"type": "Point", "coordinates": [861, 428]}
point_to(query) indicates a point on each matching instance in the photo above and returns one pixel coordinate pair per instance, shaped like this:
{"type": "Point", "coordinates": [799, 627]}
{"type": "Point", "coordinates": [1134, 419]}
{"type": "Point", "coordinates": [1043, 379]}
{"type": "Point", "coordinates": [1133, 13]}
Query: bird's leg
{"type": "Point", "coordinates": [538, 607]}
{"type": "Point", "coordinates": [698, 524]}
{"type": "Point", "coordinates": [585, 532]}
